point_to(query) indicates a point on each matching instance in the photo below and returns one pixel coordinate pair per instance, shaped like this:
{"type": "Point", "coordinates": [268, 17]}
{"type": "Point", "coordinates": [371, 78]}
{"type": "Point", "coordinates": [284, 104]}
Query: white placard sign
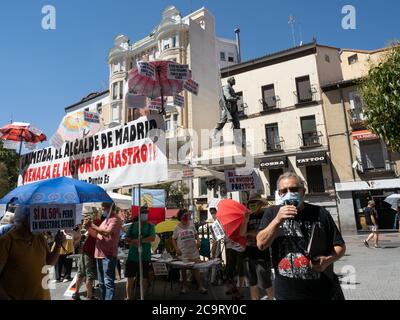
{"type": "Point", "coordinates": [146, 69]}
{"type": "Point", "coordinates": [30, 146]}
{"type": "Point", "coordinates": [179, 101]}
{"type": "Point", "coordinates": [135, 101]}
{"type": "Point", "coordinates": [121, 156]}
{"type": "Point", "coordinates": [240, 181]}
{"type": "Point", "coordinates": [52, 217]}
{"type": "Point", "coordinates": [191, 86]}
{"type": "Point", "coordinates": [92, 117]}
{"type": "Point", "coordinates": [178, 71]}
{"type": "Point", "coordinates": [160, 269]}
{"type": "Point", "coordinates": [10, 145]}
{"type": "Point", "coordinates": [218, 230]}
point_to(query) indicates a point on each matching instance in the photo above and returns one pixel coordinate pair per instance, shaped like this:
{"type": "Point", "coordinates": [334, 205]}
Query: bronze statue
{"type": "Point", "coordinates": [229, 109]}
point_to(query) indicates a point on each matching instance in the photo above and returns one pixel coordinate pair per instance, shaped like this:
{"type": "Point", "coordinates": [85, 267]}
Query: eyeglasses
{"type": "Point", "coordinates": [282, 192]}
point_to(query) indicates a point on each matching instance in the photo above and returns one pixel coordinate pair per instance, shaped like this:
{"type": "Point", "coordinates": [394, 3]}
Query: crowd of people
{"type": "Point", "coordinates": [275, 262]}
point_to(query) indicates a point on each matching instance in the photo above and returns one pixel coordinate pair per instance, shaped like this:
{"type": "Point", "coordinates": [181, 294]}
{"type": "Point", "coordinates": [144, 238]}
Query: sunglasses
{"type": "Point", "coordinates": [282, 192]}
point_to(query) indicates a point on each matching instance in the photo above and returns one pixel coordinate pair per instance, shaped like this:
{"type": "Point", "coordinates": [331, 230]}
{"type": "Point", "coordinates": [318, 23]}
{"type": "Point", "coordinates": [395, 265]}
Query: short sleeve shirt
{"type": "Point", "coordinates": [186, 240]}
{"type": "Point", "coordinates": [24, 266]}
{"type": "Point", "coordinates": [294, 276]}
{"type": "Point", "coordinates": [107, 246]}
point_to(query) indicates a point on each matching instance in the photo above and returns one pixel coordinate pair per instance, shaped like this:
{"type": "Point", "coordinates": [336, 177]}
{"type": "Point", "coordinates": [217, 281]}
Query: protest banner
{"type": "Point", "coordinates": [146, 69]}
{"type": "Point", "coordinates": [219, 232]}
{"type": "Point", "coordinates": [114, 158]}
{"type": "Point", "coordinates": [240, 181]}
{"type": "Point", "coordinates": [52, 217]}
{"type": "Point", "coordinates": [178, 71]}
{"type": "Point", "coordinates": [191, 86]}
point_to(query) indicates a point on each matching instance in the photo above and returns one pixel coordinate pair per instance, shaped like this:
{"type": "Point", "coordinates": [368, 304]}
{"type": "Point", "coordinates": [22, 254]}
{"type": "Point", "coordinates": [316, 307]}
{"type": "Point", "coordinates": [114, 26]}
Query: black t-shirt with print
{"type": "Point", "coordinates": [252, 251]}
{"type": "Point", "coordinates": [294, 278]}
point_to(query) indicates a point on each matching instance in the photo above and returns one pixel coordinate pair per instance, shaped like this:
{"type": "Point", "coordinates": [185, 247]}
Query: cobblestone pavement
{"type": "Point", "coordinates": [366, 274]}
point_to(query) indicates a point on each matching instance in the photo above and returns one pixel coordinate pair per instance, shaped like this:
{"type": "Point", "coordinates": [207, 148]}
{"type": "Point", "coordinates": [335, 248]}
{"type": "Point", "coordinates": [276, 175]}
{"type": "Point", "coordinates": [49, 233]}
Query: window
{"type": "Point", "coordinates": [303, 87]}
{"type": "Point", "coordinates": [222, 56]}
{"type": "Point", "coordinates": [99, 108]}
{"type": "Point", "coordinates": [268, 94]}
{"type": "Point", "coordinates": [166, 46]}
{"type": "Point", "coordinates": [315, 179]}
{"type": "Point", "coordinates": [203, 187]}
{"type": "Point", "coordinates": [231, 58]}
{"type": "Point", "coordinates": [273, 139]}
{"type": "Point", "coordinates": [274, 175]}
{"type": "Point", "coordinates": [356, 106]}
{"type": "Point", "coordinates": [174, 42]}
{"type": "Point", "coordinates": [86, 109]}
{"type": "Point", "coordinates": [327, 58]}
{"type": "Point", "coordinates": [371, 155]}
{"type": "Point", "coordinates": [353, 59]}
{"type": "Point", "coordinates": [115, 90]}
{"type": "Point", "coordinates": [121, 90]}
{"type": "Point", "coordinates": [309, 131]}
{"type": "Point", "coordinates": [115, 113]}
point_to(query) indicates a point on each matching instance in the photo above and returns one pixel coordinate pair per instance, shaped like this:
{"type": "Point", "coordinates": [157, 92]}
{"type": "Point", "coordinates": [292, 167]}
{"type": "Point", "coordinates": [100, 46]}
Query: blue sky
{"type": "Point", "coordinates": [41, 71]}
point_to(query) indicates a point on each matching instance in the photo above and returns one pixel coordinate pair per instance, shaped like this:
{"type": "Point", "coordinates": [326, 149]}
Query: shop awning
{"type": "Point", "coordinates": [274, 163]}
{"type": "Point", "coordinates": [311, 159]}
{"type": "Point", "coordinates": [364, 135]}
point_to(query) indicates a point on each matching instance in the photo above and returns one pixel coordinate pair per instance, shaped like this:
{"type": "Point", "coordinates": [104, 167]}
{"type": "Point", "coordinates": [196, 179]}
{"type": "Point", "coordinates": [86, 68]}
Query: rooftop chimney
{"type": "Point", "coordinates": [237, 31]}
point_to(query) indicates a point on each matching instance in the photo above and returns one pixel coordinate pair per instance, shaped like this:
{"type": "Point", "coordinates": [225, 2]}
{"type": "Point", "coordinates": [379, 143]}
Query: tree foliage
{"type": "Point", "coordinates": [381, 95]}
{"type": "Point", "coordinates": [8, 170]}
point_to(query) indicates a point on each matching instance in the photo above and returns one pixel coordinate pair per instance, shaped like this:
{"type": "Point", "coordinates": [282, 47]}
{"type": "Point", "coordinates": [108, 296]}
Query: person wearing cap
{"type": "Point", "coordinates": [371, 218]}
{"type": "Point", "coordinates": [106, 249]}
{"type": "Point", "coordinates": [25, 258]}
{"type": "Point", "coordinates": [186, 243]}
{"type": "Point", "coordinates": [257, 262]}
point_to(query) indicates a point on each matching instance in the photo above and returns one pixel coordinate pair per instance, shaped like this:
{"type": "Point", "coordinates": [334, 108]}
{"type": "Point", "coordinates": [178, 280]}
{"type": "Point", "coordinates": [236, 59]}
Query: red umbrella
{"type": "Point", "coordinates": [151, 79]}
{"type": "Point", "coordinates": [233, 218]}
{"type": "Point", "coordinates": [21, 132]}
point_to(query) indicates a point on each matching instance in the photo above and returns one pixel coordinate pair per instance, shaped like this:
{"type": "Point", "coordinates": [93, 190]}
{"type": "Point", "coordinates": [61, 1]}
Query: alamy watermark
{"type": "Point", "coordinates": [349, 21]}
{"type": "Point", "coordinates": [49, 20]}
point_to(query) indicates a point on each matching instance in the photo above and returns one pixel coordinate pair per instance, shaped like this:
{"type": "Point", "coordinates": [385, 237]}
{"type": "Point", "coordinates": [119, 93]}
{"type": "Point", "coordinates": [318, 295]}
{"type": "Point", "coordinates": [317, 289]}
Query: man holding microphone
{"type": "Point", "coordinates": [287, 230]}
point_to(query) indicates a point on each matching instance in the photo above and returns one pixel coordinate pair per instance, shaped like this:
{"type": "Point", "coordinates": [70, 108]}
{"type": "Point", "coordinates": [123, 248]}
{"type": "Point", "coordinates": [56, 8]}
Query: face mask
{"type": "Point", "coordinates": [185, 218]}
{"type": "Point", "coordinates": [294, 198]}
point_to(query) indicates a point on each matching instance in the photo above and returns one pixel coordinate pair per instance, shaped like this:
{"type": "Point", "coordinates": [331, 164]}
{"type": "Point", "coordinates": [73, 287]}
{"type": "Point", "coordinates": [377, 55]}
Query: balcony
{"type": "Point", "coordinates": [357, 119]}
{"type": "Point", "coordinates": [369, 171]}
{"type": "Point", "coordinates": [305, 98]}
{"type": "Point", "coordinates": [270, 104]}
{"type": "Point", "coordinates": [274, 145]}
{"type": "Point", "coordinates": [311, 140]}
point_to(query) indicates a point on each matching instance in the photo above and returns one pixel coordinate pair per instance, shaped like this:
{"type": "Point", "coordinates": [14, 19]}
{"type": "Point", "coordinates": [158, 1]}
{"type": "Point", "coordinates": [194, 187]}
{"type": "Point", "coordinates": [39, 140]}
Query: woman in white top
{"type": "Point", "coordinates": [186, 244]}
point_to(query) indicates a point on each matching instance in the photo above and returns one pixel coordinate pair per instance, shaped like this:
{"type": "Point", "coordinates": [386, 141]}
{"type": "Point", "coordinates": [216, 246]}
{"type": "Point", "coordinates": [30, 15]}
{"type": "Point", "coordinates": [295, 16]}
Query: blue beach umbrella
{"type": "Point", "coordinates": [57, 191]}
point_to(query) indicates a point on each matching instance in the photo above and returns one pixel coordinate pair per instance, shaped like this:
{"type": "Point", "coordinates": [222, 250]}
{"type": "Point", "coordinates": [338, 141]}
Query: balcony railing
{"type": "Point", "coordinates": [270, 103]}
{"type": "Point", "coordinates": [387, 169]}
{"type": "Point", "coordinates": [274, 145]}
{"type": "Point", "coordinates": [311, 139]}
{"type": "Point", "coordinates": [357, 118]}
{"type": "Point", "coordinates": [306, 97]}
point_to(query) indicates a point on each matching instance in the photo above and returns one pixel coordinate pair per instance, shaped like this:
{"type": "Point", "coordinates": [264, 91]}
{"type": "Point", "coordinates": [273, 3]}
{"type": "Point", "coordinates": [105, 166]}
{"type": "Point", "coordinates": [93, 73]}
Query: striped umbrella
{"type": "Point", "coordinates": [22, 132]}
{"type": "Point", "coordinates": [151, 79]}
